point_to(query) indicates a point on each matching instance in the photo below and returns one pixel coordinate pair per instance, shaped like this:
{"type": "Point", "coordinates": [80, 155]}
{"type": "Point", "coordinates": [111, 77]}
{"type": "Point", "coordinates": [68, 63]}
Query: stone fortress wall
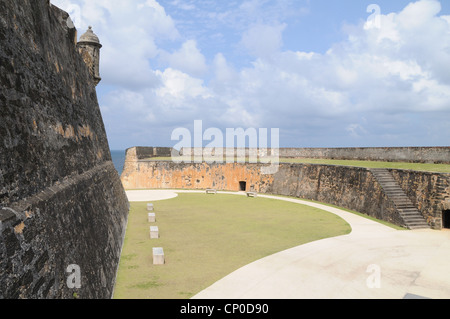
{"type": "Point", "coordinates": [61, 199]}
{"type": "Point", "coordinates": [348, 187]}
{"type": "Point", "coordinates": [436, 155]}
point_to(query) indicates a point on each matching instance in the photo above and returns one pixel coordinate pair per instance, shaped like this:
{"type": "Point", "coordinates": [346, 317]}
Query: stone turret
{"type": "Point", "coordinates": [89, 47]}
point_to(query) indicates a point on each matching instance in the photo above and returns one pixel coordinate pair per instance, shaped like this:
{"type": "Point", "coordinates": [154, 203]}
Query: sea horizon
{"type": "Point", "coordinates": [118, 158]}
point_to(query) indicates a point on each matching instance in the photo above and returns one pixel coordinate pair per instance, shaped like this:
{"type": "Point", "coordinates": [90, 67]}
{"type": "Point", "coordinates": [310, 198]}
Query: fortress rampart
{"type": "Point", "coordinates": [61, 200]}
{"type": "Point", "coordinates": [349, 187]}
{"type": "Point", "coordinates": [436, 155]}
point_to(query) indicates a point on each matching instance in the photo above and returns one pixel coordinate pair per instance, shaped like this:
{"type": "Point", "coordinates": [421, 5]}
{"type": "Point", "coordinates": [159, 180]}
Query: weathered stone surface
{"type": "Point", "coordinates": [148, 174]}
{"type": "Point", "coordinates": [61, 198]}
{"type": "Point", "coordinates": [142, 153]}
{"type": "Point", "coordinates": [428, 191]}
{"type": "Point", "coordinates": [387, 154]}
{"type": "Point", "coordinates": [51, 124]}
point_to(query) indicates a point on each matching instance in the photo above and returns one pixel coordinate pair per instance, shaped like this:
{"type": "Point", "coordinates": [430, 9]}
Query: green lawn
{"type": "Point", "coordinates": [206, 237]}
{"type": "Point", "coordinates": [437, 168]}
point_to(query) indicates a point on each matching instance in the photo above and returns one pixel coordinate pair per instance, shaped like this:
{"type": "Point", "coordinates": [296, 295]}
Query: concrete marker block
{"type": "Point", "coordinates": [154, 232]}
{"type": "Point", "coordinates": [158, 256]}
{"type": "Point", "coordinates": [150, 207]}
{"type": "Point", "coordinates": [151, 217]}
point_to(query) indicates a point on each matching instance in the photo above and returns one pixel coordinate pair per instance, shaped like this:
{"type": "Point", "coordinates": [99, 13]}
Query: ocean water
{"type": "Point", "coordinates": [118, 158]}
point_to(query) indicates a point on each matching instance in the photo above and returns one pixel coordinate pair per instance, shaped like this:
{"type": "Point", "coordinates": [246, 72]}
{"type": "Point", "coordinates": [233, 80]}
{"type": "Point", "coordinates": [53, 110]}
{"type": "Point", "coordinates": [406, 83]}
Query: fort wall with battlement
{"type": "Point", "coordinates": [62, 205]}
{"type": "Point", "coordinates": [353, 188]}
{"type": "Point", "coordinates": [435, 155]}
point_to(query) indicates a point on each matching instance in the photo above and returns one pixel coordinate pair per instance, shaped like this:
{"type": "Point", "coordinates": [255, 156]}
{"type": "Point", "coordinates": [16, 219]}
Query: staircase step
{"type": "Point", "coordinates": [399, 196]}
{"type": "Point", "coordinates": [406, 203]}
{"type": "Point", "coordinates": [422, 224]}
{"type": "Point", "coordinates": [401, 200]}
{"type": "Point", "coordinates": [416, 219]}
{"type": "Point", "coordinates": [393, 192]}
{"type": "Point", "coordinates": [408, 211]}
{"type": "Point", "coordinates": [413, 218]}
{"type": "Point", "coordinates": [413, 227]}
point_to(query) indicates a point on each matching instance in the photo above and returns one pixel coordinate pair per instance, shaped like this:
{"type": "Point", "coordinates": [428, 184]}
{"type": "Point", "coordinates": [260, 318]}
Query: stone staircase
{"type": "Point", "coordinates": [412, 217]}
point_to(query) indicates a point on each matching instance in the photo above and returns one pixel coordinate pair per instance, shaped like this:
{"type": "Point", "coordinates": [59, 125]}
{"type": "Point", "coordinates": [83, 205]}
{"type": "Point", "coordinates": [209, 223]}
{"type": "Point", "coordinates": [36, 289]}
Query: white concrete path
{"type": "Point", "coordinates": [372, 262]}
{"type": "Point", "coordinates": [150, 195]}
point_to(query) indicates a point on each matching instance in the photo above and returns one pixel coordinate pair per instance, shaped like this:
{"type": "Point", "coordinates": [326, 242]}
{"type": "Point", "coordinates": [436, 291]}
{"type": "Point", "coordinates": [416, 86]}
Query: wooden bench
{"type": "Point", "coordinates": [158, 256]}
{"type": "Point", "coordinates": [252, 194]}
{"type": "Point", "coordinates": [211, 191]}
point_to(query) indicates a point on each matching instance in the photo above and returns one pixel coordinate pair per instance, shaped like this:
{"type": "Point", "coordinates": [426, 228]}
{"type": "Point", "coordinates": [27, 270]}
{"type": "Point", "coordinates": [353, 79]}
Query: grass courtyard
{"type": "Point", "coordinates": [206, 237]}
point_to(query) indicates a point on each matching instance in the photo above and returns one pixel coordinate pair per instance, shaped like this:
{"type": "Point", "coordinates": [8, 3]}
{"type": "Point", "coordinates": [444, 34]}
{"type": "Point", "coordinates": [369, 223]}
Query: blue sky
{"type": "Point", "coordinates": [319, 70]}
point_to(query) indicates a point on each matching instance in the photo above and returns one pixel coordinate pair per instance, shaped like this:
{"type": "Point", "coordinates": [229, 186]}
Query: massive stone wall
{"type": "Point", "coordinates": [349, 187]}
{"type": "Point", "coordinates": [142, 153]}
{"type": "Point", "coordinates": [61, 199]}
{"type": "Point", "coordinates": [428, 191]}
{"type": "Point", "coordinates": [169, 175]}
{"type": "Point", "coordinates": [388, 154]}
{"type": "Point", "coordinates": [435, 155]}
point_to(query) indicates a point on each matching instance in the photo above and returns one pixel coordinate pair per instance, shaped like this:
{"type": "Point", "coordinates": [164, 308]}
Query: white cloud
{"type": "Point", "coordinates": [188, 59]}
{"type": "Point", "coordinates": [128, 31]}
{"type": "Point", "coordinates": [418, 14]}
{"type": "Point", "coordinates": [263, 40]}
{"type": "Point", "coordinates": [223, 71]}
{"type": "Point", "coordinates": [391, 75]}
{"type": "Point", "coordinates": [179, 86]}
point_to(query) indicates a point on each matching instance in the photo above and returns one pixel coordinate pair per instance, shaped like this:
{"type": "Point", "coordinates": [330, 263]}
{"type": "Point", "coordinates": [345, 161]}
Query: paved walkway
{"type": "Point", "coordinates": [373, 261]}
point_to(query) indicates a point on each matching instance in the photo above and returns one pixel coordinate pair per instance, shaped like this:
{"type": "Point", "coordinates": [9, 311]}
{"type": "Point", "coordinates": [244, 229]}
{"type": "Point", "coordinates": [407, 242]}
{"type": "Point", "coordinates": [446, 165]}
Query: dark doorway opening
{"type": "Point", "coordinates": [242, 186]}
{"type": "Point", "coordinates": [446, 219]}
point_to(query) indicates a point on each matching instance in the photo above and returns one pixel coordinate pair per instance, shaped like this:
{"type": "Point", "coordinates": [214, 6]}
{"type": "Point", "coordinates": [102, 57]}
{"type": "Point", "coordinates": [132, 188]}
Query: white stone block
{"type": "Point", "coordinates": [158, 256]}
{"type": "Point", "coordinates": [150, 207]}
{"type": "Point", "coordinates": [151, 217]}
{"type": "Point", "coordinates": [154, 232]}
